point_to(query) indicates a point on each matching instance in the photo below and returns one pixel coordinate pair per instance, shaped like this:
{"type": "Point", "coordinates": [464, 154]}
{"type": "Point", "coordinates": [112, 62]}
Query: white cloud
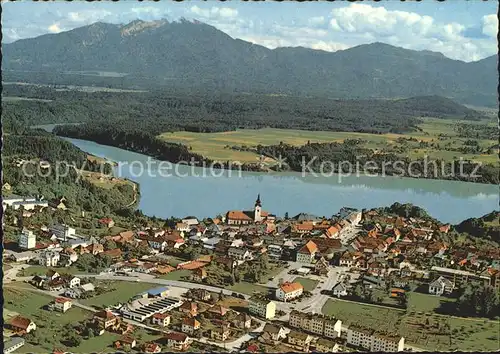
{"type": "Point", "coordinates": [215, 12]}
{"type": "Point", "coordinates": [412, 30]}
{"type": "Point", "coordinates": [329, 46]}
{"type": "Point", "coordinates": [317, 21]}
{"type": "Point", "coordinates": [54, 28]}
{"type": "Point", "coordinates": [228, 12]}
{"type": "Point", "coordinates": [490, 25]}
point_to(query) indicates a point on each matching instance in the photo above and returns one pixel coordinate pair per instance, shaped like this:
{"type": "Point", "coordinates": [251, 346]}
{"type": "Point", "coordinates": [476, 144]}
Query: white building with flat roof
{"type": "Point", "coordinates": [27, 240]}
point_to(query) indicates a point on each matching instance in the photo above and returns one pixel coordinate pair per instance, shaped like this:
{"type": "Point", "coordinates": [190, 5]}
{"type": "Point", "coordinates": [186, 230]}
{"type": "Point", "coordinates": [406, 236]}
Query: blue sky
{"type": "Point", "coordinates": [460, 29]}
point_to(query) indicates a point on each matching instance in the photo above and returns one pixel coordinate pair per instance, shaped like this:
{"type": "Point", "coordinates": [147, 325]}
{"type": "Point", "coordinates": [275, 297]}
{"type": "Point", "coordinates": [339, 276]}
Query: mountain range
{"type": "Point", "coordinates": [192, 54]}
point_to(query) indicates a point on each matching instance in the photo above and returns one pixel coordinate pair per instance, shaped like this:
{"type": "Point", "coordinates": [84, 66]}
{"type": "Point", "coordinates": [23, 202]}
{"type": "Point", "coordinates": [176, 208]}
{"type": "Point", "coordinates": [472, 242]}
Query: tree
{"type": "Point", "coordinates": [221, 296]}
{"type": "Point", "coordinates": [73, 339]}
{"type": "Point", "coordinates": [110, 245]}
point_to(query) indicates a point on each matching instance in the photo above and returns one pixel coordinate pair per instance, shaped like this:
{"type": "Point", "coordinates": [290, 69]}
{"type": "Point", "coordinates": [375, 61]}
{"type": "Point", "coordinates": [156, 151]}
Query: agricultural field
{"type": "Point", "coordinates": [420, 325]}
{"type": "Point", "coordinates": [217, 146]}
{"type": "Point", "coordinates": [117, 292]}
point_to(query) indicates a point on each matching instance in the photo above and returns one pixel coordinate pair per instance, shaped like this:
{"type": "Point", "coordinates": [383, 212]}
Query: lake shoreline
{"type": "Point", "coordinates": [253, 167]}
{"type": "Point", "coordinates": [449, 201]}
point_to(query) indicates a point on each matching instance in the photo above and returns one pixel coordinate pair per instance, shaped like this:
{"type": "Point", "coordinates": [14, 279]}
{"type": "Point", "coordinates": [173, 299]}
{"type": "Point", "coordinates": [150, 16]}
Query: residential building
{"type": "Point", "coordinates": [74, 282]}
{"type": "Point", "coordinates": [307, 253]}
{"type": "Point", "coordinates": [63, 232]}
{"type": "Point", "coordinates": [322, 267]}
{"type": "Point", "coordinates": [27, 240]}
{"type": "Point", "coordinates": [22, 324]}
{"type": "Point", "coordinates": [262, 307]}
{"type": "Point", "coordinates": [189, 307]}
{"type": "Point", "coordinates": [238, 253]}
{"type": "Point", "coordinates": [289, 291]}
{"type": "Point", "coordinates": [220, 333]}
{"type": "Point", "coordinates": [49, 258]}
{"type": "Point", "coordinates": [375, 342]}
{"type": "Point", "coordinates": [190, 220]}
{"type": "Point", "coordinates": [190, 325]}
{"type": "Point", "coordinates": [440, 286]}
{"type": "Point", "coordinates": [61, 304]}
{"type": "Point", "coordinates": [217, 311]}
{"type": "Point", "coordinates": [275, 333]}
{"type": "Point", "coordinates": [161, 319]}
{"type": "Point", "coordinates": [105, 319]}
{"type": "Point", "coordinates": [199, 275]}
{"type": "Point", "coordinates": [324, 345]}
{"type": "Point", "coordinates": [243, 320]}
{"type": "Point", "coordinates": [23, 256]}
{"type": "Point", "coordinates": [177, 341]}
{"type": "Point", "coordinates": [150, 348]}
{"type": "Point", "coordinates": [339, 290]}
{"type": "Point", "coordinates": [274, 251]}
{"type": "Point", "coordinates": [13, 344]}
{"type": "Point", "coordinates": [107, 222]}
{"type": "Point", "coordinates": [125, 342]}
{"type": "Point", "coordinates": [316, 323]}
{"type": "Point", "coordinates": [300, 340]}
{"type": "Point", "coordinates": [200, 294]}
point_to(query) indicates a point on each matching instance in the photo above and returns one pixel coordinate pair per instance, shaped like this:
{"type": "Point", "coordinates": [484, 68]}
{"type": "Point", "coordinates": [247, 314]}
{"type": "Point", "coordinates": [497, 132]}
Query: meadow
{"type": "Point", "coordinates": [217, 146]}
{"type": "Point", "coordinates": [421, 326]}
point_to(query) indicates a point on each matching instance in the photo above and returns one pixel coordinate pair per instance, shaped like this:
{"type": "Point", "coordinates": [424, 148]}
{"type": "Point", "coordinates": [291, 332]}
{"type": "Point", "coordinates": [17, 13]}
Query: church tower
{"type": "Point", "coordinates": [257, 210]}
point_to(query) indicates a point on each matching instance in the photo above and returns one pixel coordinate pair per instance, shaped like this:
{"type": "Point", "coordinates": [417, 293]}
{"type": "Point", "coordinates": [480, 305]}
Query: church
{"type": "Point", "coordinates": [238, 217]}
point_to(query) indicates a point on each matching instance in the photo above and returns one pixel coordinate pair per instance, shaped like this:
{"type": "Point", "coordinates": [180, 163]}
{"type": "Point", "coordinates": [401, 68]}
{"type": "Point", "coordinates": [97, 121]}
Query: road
{"type": "Point", "coordinates": [10, 274]}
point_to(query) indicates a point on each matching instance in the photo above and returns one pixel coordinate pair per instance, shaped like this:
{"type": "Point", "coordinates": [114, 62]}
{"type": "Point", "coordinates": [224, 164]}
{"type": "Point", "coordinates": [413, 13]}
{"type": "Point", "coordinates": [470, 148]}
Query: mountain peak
{"type": "Point", "coordinates": [139, 26]}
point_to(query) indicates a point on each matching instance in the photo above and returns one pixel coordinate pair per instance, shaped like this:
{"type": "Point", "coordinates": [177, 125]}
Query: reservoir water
{"type": "Point", "coordinates": [191, 193]}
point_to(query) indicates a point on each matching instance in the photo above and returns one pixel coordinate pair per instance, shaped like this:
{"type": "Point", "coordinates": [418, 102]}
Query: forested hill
{"type": "Point", "coordinates": [487, 226]}
{"type": "Point", "coordinates": [159, 112]}
{"type": "Point", "coordinates": [189, 54]}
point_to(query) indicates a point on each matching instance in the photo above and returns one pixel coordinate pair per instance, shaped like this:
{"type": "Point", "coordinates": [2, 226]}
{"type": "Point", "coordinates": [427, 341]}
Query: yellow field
{"type": "Point", "coordinates": [216, 146]}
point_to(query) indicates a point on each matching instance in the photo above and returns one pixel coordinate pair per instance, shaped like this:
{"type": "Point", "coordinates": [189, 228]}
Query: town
{"type": "Point", "coordinates": [246, 281]}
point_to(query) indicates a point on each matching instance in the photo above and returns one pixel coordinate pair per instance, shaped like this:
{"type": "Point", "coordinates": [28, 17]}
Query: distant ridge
{"type": "Point", "coordinates": [193, 54]}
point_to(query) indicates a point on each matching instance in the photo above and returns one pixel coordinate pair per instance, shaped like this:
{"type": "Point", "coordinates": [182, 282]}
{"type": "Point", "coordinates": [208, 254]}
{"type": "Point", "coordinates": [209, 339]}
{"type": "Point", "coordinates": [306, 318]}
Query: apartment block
{"type": "Point", "coordinates": [316, 323]}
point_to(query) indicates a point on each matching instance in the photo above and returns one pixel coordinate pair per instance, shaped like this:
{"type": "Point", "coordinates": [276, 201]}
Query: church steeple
{"type": "Point", "coordinates": [257, 202]}
{"type": "Point", "coordinates": [257, 217]}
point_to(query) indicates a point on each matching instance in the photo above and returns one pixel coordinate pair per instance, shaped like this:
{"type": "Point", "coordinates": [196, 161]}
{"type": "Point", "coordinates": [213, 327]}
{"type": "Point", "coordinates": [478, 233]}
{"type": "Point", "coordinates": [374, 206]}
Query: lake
{"type": "Point", "coordinates": [193, 194]}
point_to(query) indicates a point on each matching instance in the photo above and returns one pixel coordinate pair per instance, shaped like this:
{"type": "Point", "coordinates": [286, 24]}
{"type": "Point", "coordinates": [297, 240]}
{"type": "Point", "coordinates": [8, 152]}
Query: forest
{"type": "Point", "coordinates": [333, 157]}
{"type": "Point", "coordinates": [81, 194]}
{"type": "Point", "coordinates": [165, 111]}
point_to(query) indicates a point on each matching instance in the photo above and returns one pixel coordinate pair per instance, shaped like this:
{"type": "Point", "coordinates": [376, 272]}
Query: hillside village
{"type": "Point", "coordinates": [246, 281]}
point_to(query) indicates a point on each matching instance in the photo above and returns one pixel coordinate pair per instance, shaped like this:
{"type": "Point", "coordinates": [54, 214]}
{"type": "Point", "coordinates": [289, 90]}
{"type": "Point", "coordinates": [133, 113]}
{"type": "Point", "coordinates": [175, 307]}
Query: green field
{"type": "Point", "coordinates": [308, 284]}
{"type": "Point", "coordinates": [119, 292]}
{"type": "Point", "coordinates": [49, 324]}
{"type": "Point", "coordinates": [420, 325]}
{"type": "Point", "coordinates": [216, 145]}
{"type": "Point", "coordinates": [176, 274]}
{"type": "Point", "coordinates": [247, 288]}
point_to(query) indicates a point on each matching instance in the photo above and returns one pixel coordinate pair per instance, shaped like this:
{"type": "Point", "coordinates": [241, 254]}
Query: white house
{"type": "Point", "coordinates": [190, 221]}
{"type": "Point", "coordinates": [440, 286]}
{"type": "Point", "coordinates": [27, 240]}
{"type": "Point", "coordinates": [49, 259]}
{"type": "Point", "coordinates": [261, 307]}
{"type": "Point", "coordinates": [289, 291]}
{"type": "Point", "coordinates": [240, 254]}
{"type": "Point", "coordinates": [339, 290]}
{"type": "Point", "coordinates": [74, 282]}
